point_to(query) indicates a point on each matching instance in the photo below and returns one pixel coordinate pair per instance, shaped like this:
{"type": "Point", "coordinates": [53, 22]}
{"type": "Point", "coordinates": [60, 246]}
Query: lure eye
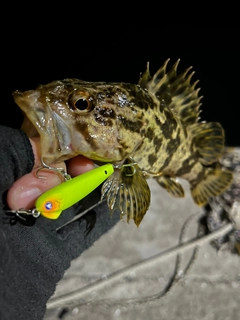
{"type": "Point", "coordinates": [80, 101]}
{"type": "Point", "coordinates": [48, 205]}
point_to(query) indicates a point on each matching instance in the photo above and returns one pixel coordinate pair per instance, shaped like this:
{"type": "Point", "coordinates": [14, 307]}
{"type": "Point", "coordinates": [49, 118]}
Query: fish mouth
{"type": "Point", "coordinates": [34, 113]}
{"type": "Point", "coordinates": [41, 120]}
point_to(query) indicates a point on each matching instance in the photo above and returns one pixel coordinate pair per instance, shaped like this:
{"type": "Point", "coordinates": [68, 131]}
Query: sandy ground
{"type": "Point", "coordinates": [209, 291]}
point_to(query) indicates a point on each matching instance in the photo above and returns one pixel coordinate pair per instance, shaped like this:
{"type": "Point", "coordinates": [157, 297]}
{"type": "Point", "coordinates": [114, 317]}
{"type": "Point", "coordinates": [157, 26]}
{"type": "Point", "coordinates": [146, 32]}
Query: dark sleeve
{"type": "Point", "coordinates": [33, 256]}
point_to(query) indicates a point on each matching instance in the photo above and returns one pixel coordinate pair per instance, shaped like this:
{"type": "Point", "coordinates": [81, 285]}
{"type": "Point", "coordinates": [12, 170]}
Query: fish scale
{"type": "Point", "coordinates": [152, 126]}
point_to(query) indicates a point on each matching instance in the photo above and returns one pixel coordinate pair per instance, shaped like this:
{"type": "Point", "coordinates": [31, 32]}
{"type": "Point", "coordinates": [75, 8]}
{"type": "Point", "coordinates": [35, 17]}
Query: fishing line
{"type": "Point", "coordinates": [177, 274]}
{"type": "Point", "coordinates": [73, 298]}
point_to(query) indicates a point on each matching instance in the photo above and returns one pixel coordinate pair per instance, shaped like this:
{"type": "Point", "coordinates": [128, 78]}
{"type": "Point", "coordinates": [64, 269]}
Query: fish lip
{"type": "Point", "coordinates": [33, 109]}
{"type": "Point", "coordinates": [28, 96]}
{"type": "Point", "coordinates": [41, 120]}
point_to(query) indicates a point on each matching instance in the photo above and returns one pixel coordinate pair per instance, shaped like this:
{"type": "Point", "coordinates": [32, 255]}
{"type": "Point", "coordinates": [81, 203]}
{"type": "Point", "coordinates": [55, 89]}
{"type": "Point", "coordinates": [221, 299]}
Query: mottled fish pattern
{"type": "Point", "coordinates": [152, 126]}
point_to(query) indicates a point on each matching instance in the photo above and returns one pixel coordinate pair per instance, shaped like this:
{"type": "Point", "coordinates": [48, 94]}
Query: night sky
{"type": "Point", "coordinates": [120, 56]}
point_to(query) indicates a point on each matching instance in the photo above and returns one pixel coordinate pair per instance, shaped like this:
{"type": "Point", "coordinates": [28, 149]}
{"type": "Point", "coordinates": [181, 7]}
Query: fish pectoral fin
{"type": "Point", "coordinates": [208, 139]}
{"type": "Point", "coordinates": [171, 185]}
{"type": "Point", "coordinates": [212, 185]}
{"type": "Point", "coordinates": [128, 193]}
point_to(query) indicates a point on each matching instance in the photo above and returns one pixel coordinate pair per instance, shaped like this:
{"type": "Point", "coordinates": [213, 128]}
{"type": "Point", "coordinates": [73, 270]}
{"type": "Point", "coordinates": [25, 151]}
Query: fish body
{"type": "Point", "coordinates": [152, 126]}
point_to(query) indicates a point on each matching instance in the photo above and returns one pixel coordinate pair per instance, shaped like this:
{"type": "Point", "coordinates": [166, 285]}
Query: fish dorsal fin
{"type": "Point", "coordinates": [176, 91]}
{"type": "Point", "coordinates": [145, 78]}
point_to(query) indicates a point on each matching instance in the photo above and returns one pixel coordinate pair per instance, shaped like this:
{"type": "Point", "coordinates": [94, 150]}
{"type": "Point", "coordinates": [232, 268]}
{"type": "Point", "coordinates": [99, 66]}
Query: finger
{"type": "Point", "coordinates": [78, 165]}
{"type": "Point", "coordinates": [25, 191]}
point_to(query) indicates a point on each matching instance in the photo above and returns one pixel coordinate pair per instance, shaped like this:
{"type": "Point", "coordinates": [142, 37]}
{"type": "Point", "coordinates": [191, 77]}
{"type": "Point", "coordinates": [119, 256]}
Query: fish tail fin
{"type": "Point", "coordinates": [208, 139]}
{"type": "Point", "coordinates": [214, 182]}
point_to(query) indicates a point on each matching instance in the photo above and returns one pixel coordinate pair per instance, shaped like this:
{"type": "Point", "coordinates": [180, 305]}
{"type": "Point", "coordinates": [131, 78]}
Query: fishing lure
{"type": "Point", "coordinates": [52, 202]}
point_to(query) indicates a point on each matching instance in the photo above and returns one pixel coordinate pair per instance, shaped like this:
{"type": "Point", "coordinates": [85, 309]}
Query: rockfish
{"type": "Point", "coordinates": [149, 129]}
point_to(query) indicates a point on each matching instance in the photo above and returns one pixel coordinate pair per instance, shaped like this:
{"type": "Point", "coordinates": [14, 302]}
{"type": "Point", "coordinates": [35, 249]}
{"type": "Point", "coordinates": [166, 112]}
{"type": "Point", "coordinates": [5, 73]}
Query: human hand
{"type": "Point", "coordinates": [25, 191]}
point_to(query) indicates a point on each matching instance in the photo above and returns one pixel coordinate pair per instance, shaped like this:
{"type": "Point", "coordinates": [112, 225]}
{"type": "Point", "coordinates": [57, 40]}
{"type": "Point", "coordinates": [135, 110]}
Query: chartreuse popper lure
{"type": "Point", "coordinates": [52, 202]}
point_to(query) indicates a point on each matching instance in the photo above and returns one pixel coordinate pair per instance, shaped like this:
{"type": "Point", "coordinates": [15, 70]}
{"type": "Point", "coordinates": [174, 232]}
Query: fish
{"type": "Point", "coordinates": [151, 129]}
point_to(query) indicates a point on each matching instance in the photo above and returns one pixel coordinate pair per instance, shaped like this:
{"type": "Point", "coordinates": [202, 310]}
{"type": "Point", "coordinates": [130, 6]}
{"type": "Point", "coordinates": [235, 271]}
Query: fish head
{"type": "Point", "coordinates": [75, 117]}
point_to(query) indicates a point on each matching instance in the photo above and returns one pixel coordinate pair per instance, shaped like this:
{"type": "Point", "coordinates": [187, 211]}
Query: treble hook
{"type": "Point", "coordinates": [60, 171]}
{"type": "Point", "coordinates": [34, 213]}
{"type": "Point", "coordinates": [131, 164]}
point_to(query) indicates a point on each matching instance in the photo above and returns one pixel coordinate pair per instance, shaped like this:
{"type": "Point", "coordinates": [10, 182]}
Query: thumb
{"type": "Point", "coordinates": [25, 191]}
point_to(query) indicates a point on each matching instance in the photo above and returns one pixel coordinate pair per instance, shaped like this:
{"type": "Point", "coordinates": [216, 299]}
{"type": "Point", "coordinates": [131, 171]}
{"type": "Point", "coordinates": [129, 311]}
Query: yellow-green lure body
{"type": "Point", "coordinates": [52, 202]}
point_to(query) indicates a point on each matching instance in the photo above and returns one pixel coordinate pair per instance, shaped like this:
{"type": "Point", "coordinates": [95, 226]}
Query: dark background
{"type": "Point", "coordinates": [114, 55]}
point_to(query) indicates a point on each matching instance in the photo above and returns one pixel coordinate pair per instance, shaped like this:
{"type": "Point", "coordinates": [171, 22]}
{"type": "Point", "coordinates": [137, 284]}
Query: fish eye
{"type": "Point", "coordinates": [81, 104]}
{"type": "Point", "coordinates": [80, 101]}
